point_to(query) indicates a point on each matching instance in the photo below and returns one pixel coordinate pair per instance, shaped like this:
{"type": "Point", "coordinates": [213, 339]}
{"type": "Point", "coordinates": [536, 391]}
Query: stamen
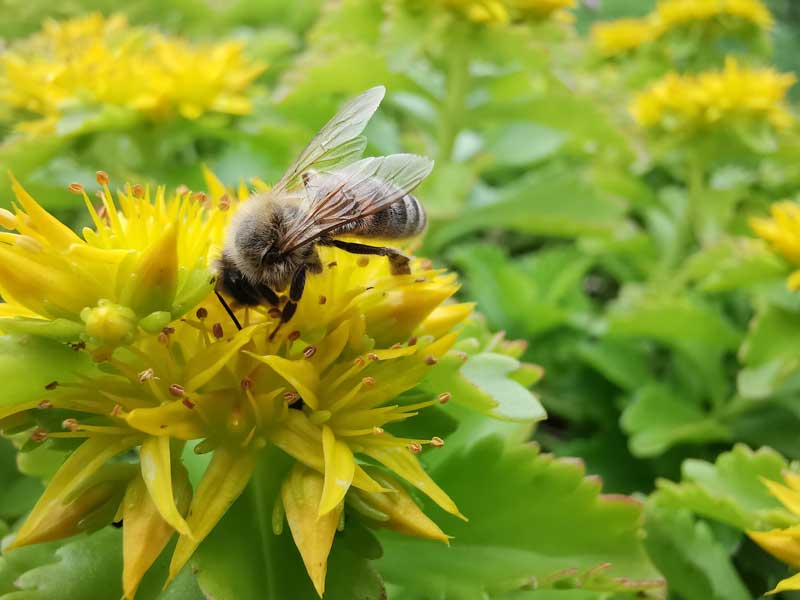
{"type": "Point", "coordinates": [426, 264]}
{"type": "Point", "coordinates": [70, 424]}
{"type": "Point", "coordinates": [420, 280]}
{"type": "Point", "coordinates": [415, 447]}
{"type": "Point", "coordinates": [309, 351]}
{"type": "Point", "coordinates": [77, 346]}
{"type": "Point", "coordinates": [412, 341]}
{"type": "Point", "coordinates": [437, 442]}
{"type": "Point", "coordinates": [373, 356]}
{"type": "Point", "coordinates": [75, 188]}
{"type": "Point", "coordinates": [188, 403]}
{"type": "Point", "coordinates": [116, 411]}
{"type": "Point", "coordinates": [177, 390]}
{"type": "Point", "coordinates": [200, 197]}
{"type": "Point", "coordinates": [293, 336]}
{"type": "Point", "coordinates": [224, 202]}
{"type": "Point", "coordinates": [396, 346]}
{"type": "Point", "coordinates": [377, 430]}
{"type": "Point", "coordinates": [274, 313]}
{"type": "Point", "coordinates": [39, 435]}
{"type": "Point", "coordinates": [137, 190]}
{"type": "Point", "coordinates": [45, 404]}
{"type": "Point", "coordinates": [368, 381]}
{"type": "Point", "coordinates": [102, 177]}
{"type": "Point", "coordinates": [431, 360]}
{"type": "Point", "coordinates": [291, 397]}
{"type": "Point", "coordinates": [217, 330]}
{"type": "Point", "coordinates": [332, 264]}
{"type": "Point", "coordinates": [182, 190]}
{"type": "Point", "coordinates": [51, 386]}
{"type": "Point", "coordinates": [146, 375]}
{"type": "Point", "coordinates": [362, 261]}
{"type": "Point", "coordinates": [201, 313]}
{"type": "Point", "coordinates": [444, 397]}
{"type": "Point", "coordinates": [322, 299]}
{"type": "Point", "coordinates": [359, 362]}
{"type": "Point", "coordinates": [246, 383]}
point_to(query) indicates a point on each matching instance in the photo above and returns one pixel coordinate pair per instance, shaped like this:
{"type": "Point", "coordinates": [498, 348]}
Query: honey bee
{"type": "Point", "coordinates": [328, 191]}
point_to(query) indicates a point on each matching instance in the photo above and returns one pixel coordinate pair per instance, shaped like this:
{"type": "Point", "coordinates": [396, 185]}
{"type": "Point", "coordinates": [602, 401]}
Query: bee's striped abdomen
{"type": "Point", "coordinates": [402, 219]}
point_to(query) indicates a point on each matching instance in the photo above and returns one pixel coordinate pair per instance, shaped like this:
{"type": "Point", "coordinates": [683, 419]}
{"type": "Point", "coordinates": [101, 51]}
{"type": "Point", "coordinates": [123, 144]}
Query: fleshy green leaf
{"type": "Point", "coordinates": [532, 516]}
{"type": "Point", "coordinates": [730, 490]}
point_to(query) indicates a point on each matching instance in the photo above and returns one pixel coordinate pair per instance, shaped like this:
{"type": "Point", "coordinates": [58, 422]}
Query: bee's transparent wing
{"type": "Point", "coordinates": [358, 190]}
{"type": "Point", "coordinates": [339, 141]}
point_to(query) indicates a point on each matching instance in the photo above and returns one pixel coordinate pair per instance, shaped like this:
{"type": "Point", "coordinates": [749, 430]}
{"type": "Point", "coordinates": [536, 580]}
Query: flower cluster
{"type": "Point", "coordinates": [713, 17]}
{"type": "Point", "coordinates": [783, 544]}
{"type": "Point", "coordinates": [782, 231]}
{"type": "Point", "coordinates": [696, 103]}
{"type": "Point", "coordinates": [506, 11]}
{"type": "Point", "coordinates": [98, 61]}
{"type": "Point", "coordinates": [326, 391]}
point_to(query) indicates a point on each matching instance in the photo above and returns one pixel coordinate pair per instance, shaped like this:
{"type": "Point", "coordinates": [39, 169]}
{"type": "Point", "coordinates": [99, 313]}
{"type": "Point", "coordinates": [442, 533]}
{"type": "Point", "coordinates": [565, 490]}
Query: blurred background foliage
{"type": "Point", "coordinates": [601, 199]}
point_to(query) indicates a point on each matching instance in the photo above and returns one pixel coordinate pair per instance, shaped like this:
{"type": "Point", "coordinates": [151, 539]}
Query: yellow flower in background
{"type": "Point", "coordinates": [325, 391]}
{"type": "Point", "coordinates": [622, 35]}
{"type": "Point", "coordinates": [487, 12]}
{"type": "Point", "coordinates": [697, 103]}
{"type": "Point", "coordinates": [501, 12]}
{"type": "Point", "coordinates": [144, 264]}
{"type": "Point", "coordinates": [782, 231]}
{"type": "Point", "coordinates": [674, 14]}
{"type": "Point", "coordinates": [783, 544]}
{"type": "Point", "coordinates": [98, 61]}
{"type": "Point", "coordinates": [540, 9]}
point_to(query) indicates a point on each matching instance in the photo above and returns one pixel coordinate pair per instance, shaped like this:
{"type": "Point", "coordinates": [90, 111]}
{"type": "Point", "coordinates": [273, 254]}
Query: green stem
{"type": "Point", "coordinates": [451, 117]}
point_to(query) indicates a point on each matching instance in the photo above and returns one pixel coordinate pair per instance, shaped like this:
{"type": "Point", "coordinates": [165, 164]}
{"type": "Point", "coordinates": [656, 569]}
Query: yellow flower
{"type": "Point", "coordinates": [622, 35]}
{"type": "Point", "coordinates": [782, 231]}
{"type": "Point", "coordinates": [326, 392]}
{"type": "Point", "coordinates": [480, 11]}
{"type": "Point", "coordinates": [670, 15]}
{"type": "Point", "coordinates": [101, 61]}
{"type": "Point", "coordinates": [144, 264]}
{"type": "Point", "coordinates": [697, 103]}
{"type": "Point", "coordinates": [539, 9]}
{"type": "Point", "coordinates": [783, 544]}
{"type": "Point", "coordinates": [501, 12]}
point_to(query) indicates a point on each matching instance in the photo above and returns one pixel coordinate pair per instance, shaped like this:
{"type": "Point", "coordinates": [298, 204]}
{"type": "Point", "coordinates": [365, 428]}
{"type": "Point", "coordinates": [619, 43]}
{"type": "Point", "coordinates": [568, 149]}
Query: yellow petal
{"type": "Point", "coordinates": [445, 317]}
{"type": "Point", "coordinates": [786, 496]}
{"type": "Point", "coordinates": [783, 544]}
{"type": "Point", "coordinates": [404, 463]}
{"type": "Point", "coordinates": [340, 466]}
{"type": "Point", "coordinates": [76, 472]}
{"type": "Point", "coordinates": [155, 458]}
{"type": "Point", "coordinates": [155, 277]}
{"type": "Point", "coordinates": [792, 480]}
{"type": "Point", "coordinates": [145, 533]}
{"type": "Point", "coordinates": [223, 482]}
{"type": "Point", "coordinates": [300, 374]}
{"type": "Point", "coordinates": [215, 187]}
{"type": "Point", "coordinates": [211, 360]}
{"type": "Point", "coordinates": [169, 420]}
{"type": "Point", "coordinates": [45, 224]}
{"type": "Point", "coordinates": [785, 585]}
{"type": "Point", "coordinates": [313, 535]}
{"type": "Point", "coordinates": [402, 513]}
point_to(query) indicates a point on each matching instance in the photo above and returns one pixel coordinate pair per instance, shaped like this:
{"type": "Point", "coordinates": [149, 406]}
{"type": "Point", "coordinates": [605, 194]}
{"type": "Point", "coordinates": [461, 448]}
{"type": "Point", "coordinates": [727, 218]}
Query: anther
{"type": "Point", "coordinates": [420, 280]}
{"type": "Point", "coordinates": [293, 336]}
{"type": "Point", "coordinates": [39, 435]}
{"type": "Point", "coordinates": [412, 341]}
{"type": "Point", "coordinates": [201, 313]}
{"type": "Point", "coordinates": [177, 390]}
{"type": "Point", "coordinates": [275, 313]}
{"type": "Point", "coordinates": [396, 346]}
{"type": "Point", "coordinates": [377, 430]}
{"type": "Point", "coordinates": [116, 411]}
{"type": "Point", "coordinates": [77, 346]}
{"type": "Point", "coordinates": [309, 351]}
{"type": "Point", "coordinates": [70, 424]}
{"type": "Point", "coordinates": [182, 190]}
{"type": "Point", "coordinates": [368, 381]}
{"type": "Point", "coordinates": [216, 329]}
{"type": "Point", "coordinates": [146, 375]}
{"type": "Point", "coordinates": [224, 202]}
{"type": "Point", "coordinates": [75, 188]}
{"type": "Point", "coordinates": [431, 360]}
{"type": "Point", "coordinates": [444, 397]}
{"type": "Point", "coordinates": [168, 330]}
{"type": "Point", "coordinates": [188, 403]}
{"type": "Point", "coordinates": [137, 190]}
{"type": "Point", "coordinates": [102, 177]}
{"type": "Point", "coordinates": [200, 197]}
{"type": "Point", "coordinates": [360, 361]}
{"type": "Point", "coordinates": [362, 261]}
{"type": "Point", "coordinates": [373, 356]}
{"type": "Point", "coordinates": [51, 386]}
{"type": "Point", "coordinates": [163, 338]}
{"type": "Point", "coordinates": [437, 442]}
{"type": "Point", "coordinates": [322, 299]}
{"type": "Point", "coordinates": [290, 397]}
{"type": "Point", "coordinates": [246, 383]}
{"type": "Point", "coordinates": [45, 404]}
{"type": "Point", "coordinates": [426, 264]}
{"type": "Point", "coordinates": [415, 447]}
{"type": "Point", "coordinates": [332, 264]}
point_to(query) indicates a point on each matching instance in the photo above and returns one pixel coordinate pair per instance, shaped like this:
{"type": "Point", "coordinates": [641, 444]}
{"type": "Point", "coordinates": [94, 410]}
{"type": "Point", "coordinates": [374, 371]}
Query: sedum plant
{"type": "Point", "coordinates": [242, 465]}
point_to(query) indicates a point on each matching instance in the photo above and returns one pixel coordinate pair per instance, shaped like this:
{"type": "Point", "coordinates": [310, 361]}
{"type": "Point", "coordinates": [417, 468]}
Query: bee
{"type": "Point", "coordinates": [328, 191]}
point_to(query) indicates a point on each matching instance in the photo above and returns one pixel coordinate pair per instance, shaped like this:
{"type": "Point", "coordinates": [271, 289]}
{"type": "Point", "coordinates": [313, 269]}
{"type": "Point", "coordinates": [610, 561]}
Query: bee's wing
{"type": "Point", "coordinates": [358, 190]}
{"type": "Point", "coordinates": [339, 141]}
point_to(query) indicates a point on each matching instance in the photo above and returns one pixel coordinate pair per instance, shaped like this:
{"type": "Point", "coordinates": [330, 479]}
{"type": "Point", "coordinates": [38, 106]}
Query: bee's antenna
{"type": "Point", "coordinates": [228, 310]}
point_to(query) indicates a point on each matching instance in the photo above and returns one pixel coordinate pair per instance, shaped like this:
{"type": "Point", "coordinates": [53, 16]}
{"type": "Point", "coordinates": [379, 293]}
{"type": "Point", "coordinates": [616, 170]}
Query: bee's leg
{"type": "Point", "coordinates": [398, 262]}
{"type": "Point", "coordinates": [228, 310]}
{"type": "Point", "coordinates": [295, 293]}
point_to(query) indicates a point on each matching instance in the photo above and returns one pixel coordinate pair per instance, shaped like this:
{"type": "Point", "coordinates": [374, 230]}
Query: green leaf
{"type": "Point", "coordinates": [659, 418]}
{"type": "Point", "coordinates": [521, 143]}
{"type": "Point", "coordinates": [531, 516]}
{"type": "Point", "coordinates": [28, 364]}
{"type": "Point", "coordinates": [730, 490]}
{"type": "Point", "coordinates": [244, 559]}
{"type": "Point", "coordinates": [696, 565]}
{"type": "Point", "coordinates": [621, 361]}
{"type": "Point", "coordinates": [734, 263]}
{"type": "Point", "coordinates": [18, 493]}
